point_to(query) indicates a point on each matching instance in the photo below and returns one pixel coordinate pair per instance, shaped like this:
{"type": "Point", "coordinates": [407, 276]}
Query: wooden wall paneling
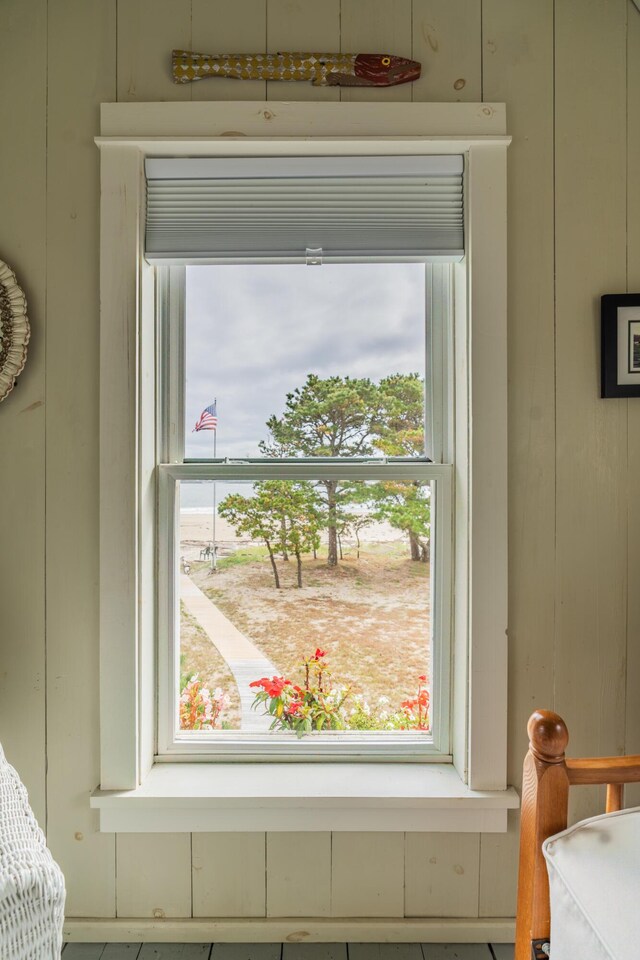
{"type": "Point", "coordinates": [81, 73]}
{"type": "Point", "coordinates": [302, 25]}
{"type": "Point", "coordinates": [441, 874]}
{"type": "Point", "coordinates": [148, 30]}
{"type": "Point", "coordinates": [447, 40]}
{"type": "Point", "coordinates": [377, 26]}
{"type": "Point", "coordinates": [518, 69]}
{"type": "Point", "coordinates": [633, 211]}
{"type": "Point", "coordinates": [499, 854]}
{"type": "Point", "coordinates": [632, 739]}
{"type": "Point", "coordinates": [153, 875]}
{"type": "Point", "coordinates": [289, 894]}
{"type": "Point", "coordinates": [367, 875]}
{"type": "Point", "coordinates": [229, 874]}
{"type": "Point", "coordinates": [241, 28]}
{"type": "Point", "coordinates": [22, 413]}
{"type": "Point", "coordinates": [591, 470]}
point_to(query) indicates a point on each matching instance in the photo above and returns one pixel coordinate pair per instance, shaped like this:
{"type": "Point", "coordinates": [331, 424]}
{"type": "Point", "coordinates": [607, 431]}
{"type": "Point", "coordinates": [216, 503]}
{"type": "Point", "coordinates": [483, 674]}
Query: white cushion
{"type": "Point", "coordinates": [594, 878]}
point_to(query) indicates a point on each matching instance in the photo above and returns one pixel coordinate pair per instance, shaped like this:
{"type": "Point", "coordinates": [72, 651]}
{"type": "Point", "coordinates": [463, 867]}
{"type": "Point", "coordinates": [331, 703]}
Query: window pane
{"type": "Point", "coordinates": [325, 584]}
{"type": "Point", "coordinates": [346, 343]}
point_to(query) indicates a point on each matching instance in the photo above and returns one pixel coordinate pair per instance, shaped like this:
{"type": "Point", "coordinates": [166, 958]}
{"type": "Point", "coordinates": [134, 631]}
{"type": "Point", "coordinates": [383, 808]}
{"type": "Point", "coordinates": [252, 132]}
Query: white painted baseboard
{"type": "Point", "coordinates": [296, 930]}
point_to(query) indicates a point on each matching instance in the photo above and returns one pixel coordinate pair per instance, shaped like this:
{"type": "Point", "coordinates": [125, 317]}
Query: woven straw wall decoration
{"type": "Point", "coordinates": [14, 330]}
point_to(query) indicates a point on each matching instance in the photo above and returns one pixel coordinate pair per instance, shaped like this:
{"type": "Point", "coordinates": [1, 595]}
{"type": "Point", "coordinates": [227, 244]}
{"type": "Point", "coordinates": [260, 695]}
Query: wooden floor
{"type": "Point", "coordinates": [287, 951]}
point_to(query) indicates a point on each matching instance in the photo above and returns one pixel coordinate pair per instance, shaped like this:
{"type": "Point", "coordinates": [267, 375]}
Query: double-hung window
{"type": "Point", "coordinates": [303, 445]}
{"type": "Point", "coordinates": [305, 508]}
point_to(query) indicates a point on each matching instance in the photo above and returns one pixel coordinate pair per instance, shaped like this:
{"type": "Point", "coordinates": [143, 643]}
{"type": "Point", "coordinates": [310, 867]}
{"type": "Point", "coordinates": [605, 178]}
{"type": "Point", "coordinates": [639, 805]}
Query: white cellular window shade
{"type": "Point", "coordinates": [304, 209]}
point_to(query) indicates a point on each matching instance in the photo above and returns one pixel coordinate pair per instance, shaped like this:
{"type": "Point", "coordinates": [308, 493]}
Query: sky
{"type": "Point", "coordinates": [254, 332]}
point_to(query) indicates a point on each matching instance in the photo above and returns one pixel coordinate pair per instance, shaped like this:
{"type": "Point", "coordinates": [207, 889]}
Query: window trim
{"type": "Point", "coordinates": [128, 398]}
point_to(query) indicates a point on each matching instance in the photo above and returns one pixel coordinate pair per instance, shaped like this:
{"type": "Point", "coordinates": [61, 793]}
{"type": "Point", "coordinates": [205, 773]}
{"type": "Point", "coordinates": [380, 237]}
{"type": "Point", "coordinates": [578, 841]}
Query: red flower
{"type": "Point", "coordinates": [423, 678]}
{"type": "Point", "coordinates": [273, 687]}
{"type": "Point", "coordinates": [294, 707]}
{"type": "Point", "coordinates": [276, 686]}
{"type": "Point", "coordinates": [319, 654]}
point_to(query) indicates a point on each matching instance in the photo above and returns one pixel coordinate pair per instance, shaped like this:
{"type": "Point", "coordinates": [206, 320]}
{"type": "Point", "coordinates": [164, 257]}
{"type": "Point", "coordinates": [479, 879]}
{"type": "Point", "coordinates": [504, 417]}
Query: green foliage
{"type": "Point", "coordinates": [285, 514]}
{"type": "Point", "coordinates": [399, 430]}
{"type": "Point", "coordinates": [404, 505]}
{"type": "Point", "coordinates": [335, 417]}
{"type": "Point", "coordinates": [243, 557]}
{"type": "Point", "coordinates": [185, 672]}
{"type": "Point", "coordinates": [251, 516]}
{"type": "Point", "coordinates": [364, 717]}
{"type": "Point", "coordinates": [338, 417]}
{"type": "Point", "coordinates": [317, 705]}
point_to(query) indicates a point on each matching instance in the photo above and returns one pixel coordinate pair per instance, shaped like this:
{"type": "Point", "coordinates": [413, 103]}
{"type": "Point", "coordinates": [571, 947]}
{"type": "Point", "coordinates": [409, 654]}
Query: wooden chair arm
{"type": "Point", "coordinates": [604, 770]}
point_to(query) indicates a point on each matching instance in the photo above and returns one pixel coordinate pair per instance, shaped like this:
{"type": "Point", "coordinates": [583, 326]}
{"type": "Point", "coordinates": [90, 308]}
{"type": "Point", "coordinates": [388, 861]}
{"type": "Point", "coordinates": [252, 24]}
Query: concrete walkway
{"type": "Point", "coordinates": [243, 658]}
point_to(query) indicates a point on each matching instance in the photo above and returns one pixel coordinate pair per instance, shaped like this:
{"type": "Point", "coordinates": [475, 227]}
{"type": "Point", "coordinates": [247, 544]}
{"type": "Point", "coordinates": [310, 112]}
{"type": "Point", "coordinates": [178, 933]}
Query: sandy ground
{"type": "Point", "coordinates": [371, 615]}
{"type": "Point", "coordinates": [196, 532]}
{"type": "Point", "coordinates": [200, 657]}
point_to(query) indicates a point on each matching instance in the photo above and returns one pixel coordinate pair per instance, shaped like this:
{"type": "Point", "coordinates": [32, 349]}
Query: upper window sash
{"type": "Point", "coordinates": [171, 304]}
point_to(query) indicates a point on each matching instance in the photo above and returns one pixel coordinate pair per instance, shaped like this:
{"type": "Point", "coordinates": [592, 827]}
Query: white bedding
{"type": "Point", "coordinates": [594, 878]}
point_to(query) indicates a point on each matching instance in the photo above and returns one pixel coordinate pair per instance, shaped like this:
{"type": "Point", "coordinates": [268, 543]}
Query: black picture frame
{"type": "Point", "coordinates": [620, 345]}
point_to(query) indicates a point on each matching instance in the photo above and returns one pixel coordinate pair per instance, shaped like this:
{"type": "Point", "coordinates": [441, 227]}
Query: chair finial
{"type": "Point", "coordinates": [548, 736]}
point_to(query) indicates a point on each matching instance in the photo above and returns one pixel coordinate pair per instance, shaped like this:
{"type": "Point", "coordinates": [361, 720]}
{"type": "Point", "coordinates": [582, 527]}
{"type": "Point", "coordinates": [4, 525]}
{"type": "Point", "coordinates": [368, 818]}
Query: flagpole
{"type": "Point", "coordinates": [215, 505]}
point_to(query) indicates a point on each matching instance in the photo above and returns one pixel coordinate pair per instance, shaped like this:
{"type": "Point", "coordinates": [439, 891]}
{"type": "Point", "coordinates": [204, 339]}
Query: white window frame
{"type": "Point", "coordinates": [128, 404]}
{"type": "Point", "coordinates": [172, 743]}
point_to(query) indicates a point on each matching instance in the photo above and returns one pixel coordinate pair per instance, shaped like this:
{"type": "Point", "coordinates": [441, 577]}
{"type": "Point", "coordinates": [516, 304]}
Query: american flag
{"type": "Point", "coordinates": [208, 419]}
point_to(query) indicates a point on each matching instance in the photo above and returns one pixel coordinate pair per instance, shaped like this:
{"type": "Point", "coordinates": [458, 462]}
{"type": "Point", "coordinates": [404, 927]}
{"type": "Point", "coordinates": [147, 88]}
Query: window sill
{"type": "Point", "coordinates": [201, 797]}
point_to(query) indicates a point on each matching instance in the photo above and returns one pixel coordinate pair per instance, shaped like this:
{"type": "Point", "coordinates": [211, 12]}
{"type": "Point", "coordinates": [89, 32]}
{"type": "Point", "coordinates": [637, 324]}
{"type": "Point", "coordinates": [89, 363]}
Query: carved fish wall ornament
{"type": "Point", "coordinates": [323, 69]}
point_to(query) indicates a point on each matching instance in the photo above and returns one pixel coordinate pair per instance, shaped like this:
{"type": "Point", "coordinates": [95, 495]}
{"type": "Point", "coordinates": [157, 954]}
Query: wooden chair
{"type": "Point", "coordinates": [547, 776]}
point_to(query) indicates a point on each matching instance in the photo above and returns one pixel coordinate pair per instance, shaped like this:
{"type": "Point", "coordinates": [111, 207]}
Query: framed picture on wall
{"type": "Point", "coordinates": [620, 331]}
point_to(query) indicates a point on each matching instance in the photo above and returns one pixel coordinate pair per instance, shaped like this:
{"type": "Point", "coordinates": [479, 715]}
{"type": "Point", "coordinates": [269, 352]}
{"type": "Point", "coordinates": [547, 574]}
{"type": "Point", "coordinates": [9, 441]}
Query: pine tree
{"type": "Point", "coordinates": [334, 417]}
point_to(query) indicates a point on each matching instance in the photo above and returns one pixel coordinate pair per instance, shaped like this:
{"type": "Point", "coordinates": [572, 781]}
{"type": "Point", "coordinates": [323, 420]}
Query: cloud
{"type": "Point", "coordinates": [255, 332]}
